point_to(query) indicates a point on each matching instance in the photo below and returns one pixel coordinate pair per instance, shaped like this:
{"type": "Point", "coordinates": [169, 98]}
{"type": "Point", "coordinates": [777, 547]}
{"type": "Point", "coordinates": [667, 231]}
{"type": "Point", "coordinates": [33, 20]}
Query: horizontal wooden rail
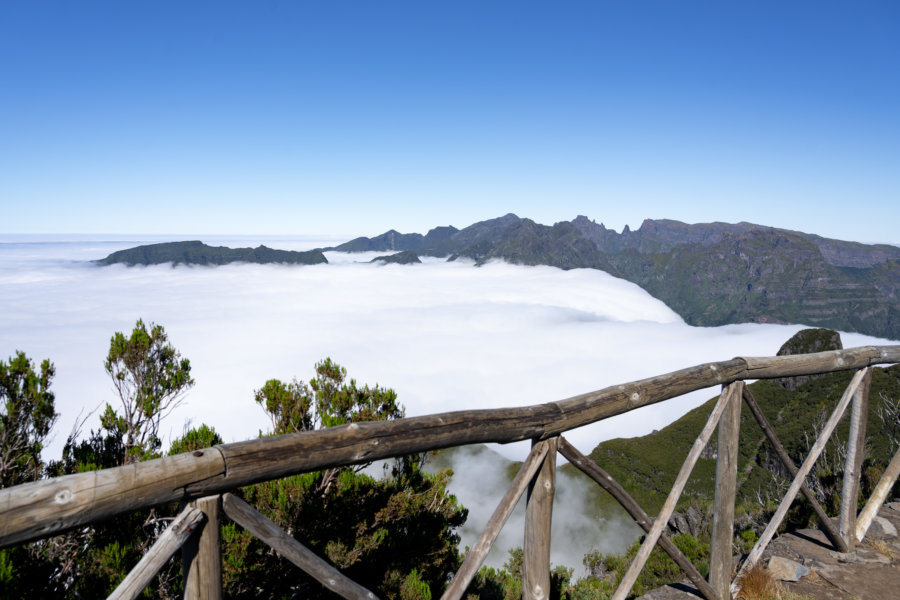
{"type": "Point", "coordinates": [43, 508]}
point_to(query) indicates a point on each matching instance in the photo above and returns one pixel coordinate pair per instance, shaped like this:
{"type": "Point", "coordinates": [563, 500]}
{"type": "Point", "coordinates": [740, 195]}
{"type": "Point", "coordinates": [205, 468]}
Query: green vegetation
{"type": "Point", "coordinates": [150, 377]}
{"type": "Point", "coordinates": [393, 535]}
{"type": "Point", "coordinates": [198, 253]}
{"type": "Point", "coordinates": [396, 534]}
{"type": "Point", "coordinates": [604, 572]}
{"type": "Point", "coordinates": [26, 416]}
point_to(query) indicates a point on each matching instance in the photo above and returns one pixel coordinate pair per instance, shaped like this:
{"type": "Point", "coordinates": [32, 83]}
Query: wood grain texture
{"type": "Point", "coordinates": [606, 481]}
{"type": "Point", "coordinates": [805, 364]}
{"type": "Point", "coordinates": [538, 519]}
{"type": "Point", "coordinates": [720, 563]}
{"type": "Point", "coordinates": [43, 508]}
{"type": "Point", "coordinates": [36, 510]}
{"type": "Point", "coordinates": [256, 523]}
{"type": "Point", "coordinates": [176, 534]}
{"type": "Point", "coordinates": [201, 557]}
{"type": "Point", "coordinates": [859, 414]}
{"type": "Point", "coordinates": [882, 489]}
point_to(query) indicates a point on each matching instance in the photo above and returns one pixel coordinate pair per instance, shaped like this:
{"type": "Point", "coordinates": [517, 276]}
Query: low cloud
{"type": "Point", "coordinates": [481, 478]}
{"type": "Point", "coordinates": [445, 336]}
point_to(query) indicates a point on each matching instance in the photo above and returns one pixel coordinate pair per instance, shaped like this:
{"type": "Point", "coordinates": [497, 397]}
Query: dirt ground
{"type": "Point", "coordinates": [872, 572]}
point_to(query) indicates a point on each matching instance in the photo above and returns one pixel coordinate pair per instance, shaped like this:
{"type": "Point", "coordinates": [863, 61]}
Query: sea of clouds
{"type": "Point", "coordinates": [445, 335]}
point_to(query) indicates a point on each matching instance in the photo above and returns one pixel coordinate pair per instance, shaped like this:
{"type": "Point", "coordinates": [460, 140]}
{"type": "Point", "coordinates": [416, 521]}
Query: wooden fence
{"type": "Point", "coordinates": [203, 479]}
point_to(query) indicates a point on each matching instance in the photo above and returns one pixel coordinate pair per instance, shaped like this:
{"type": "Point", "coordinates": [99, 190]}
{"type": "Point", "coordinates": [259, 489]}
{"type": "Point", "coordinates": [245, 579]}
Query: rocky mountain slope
{"type": "Point", "coordinates": [709, 273]}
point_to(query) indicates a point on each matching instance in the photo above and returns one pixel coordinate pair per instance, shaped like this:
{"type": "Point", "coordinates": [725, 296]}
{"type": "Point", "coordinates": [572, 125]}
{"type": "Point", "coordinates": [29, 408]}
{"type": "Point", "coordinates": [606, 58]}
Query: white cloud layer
{"type": "Point", "coordinates": [445, 336]}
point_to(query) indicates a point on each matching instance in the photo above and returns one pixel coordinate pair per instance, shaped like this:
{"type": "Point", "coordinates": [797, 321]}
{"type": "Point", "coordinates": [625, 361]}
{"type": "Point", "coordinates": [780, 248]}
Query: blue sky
{"type": "Point", "coordinates": [355, 117]}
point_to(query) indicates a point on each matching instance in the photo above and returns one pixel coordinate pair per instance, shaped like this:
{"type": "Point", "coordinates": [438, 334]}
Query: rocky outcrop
{"type": "Point", "coordinates": [805, 342]}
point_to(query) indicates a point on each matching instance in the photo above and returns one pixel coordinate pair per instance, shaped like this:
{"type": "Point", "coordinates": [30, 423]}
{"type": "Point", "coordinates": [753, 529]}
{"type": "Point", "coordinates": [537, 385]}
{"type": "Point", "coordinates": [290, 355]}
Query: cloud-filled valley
{"type": "Point", "coordinates": [445, 335]}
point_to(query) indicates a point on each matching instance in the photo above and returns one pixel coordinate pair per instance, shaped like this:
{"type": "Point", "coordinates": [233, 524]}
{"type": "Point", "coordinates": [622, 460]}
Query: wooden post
{"type": "Point", "coordinates": [479, 551]}
{"type": "Point", "coordinates": [176, 534]}
{"type": "Point", "coordinates": [720, 564]}
{"type": "Point", "coordinates": [859, 414]}
{"type": "Point", "coordinates": [201, 559]}
{"type": "Point", "coordinates": [825, 523]}
{"type": "Point", "coordinates": [538, 518]}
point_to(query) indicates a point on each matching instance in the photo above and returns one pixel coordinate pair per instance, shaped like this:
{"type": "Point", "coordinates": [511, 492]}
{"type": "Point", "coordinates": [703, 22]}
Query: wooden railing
{"type": "Point", "coordinates": [204, 478]}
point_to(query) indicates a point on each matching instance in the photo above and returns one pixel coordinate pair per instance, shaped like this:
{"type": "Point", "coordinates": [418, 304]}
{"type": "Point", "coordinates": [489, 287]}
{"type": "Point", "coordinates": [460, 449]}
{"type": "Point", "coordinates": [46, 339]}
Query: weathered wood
{"type": "Point", "coordinates": [171, 540]}
{"type": "Point", "coordinates": [201, 558]}
{"type": "Point", "coordinates": [479, 551]}
{"type": "Point", "coordinates": [662, 519]}
{"type": "Point", "coordinates": [538, 519]}
{"type": "Point", "coordinates": [263, 459]}
{"type": "Point", "coordinates": [802, 472]}
{"type": "Point", "coordinates": [876, 499]}
{"type": "Point", "coordinates": [256, 523]}
{"type": "Point", "coordinates": [720, 563]}
{"type": "Point", "coordinates": [825, 522]}
{"type": "Point", "coordinates": [605, 480]}
{"type": "Point", "coordinates": [819, 362]}
{"type": "Point", "coordinates": [39, 509]}
{"type": "Point", "coordinates": [859, 414]}
{"type": "Point", "coordinates": [43, 508]}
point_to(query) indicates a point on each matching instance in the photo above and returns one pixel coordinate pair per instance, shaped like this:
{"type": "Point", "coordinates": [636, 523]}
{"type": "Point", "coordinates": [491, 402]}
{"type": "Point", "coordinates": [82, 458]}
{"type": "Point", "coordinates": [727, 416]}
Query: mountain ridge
{"type": "Point", "coordinates": [195, 252]}
{"type": "Point", "coordinates": [709, 273]}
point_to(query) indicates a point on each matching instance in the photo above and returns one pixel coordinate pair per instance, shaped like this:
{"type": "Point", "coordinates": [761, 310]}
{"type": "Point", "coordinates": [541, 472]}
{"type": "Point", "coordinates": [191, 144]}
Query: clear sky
{"type": "Point", "coordinates": [354, 117]}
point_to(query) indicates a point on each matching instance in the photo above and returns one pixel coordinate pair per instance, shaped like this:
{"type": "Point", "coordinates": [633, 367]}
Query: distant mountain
{"type": "Point", "coordinates": [395, 241]}
{"type": "Point", "coordinates": [198, 253]}
{"type": "Point", "coordinates": [709, 273]}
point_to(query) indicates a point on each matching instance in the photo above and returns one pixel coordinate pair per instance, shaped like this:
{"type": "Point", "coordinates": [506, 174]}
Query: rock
{"type": "Point", "coordinates": [678, 525]}
{"type": "Point", "coordinates": [804, 342]}
{"type": "Point", "coordinates": [887, 528]}
{"type": "Point", "coordinates": [786, 570]}
{"type": "Point", "coordinates": [695, 520]}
